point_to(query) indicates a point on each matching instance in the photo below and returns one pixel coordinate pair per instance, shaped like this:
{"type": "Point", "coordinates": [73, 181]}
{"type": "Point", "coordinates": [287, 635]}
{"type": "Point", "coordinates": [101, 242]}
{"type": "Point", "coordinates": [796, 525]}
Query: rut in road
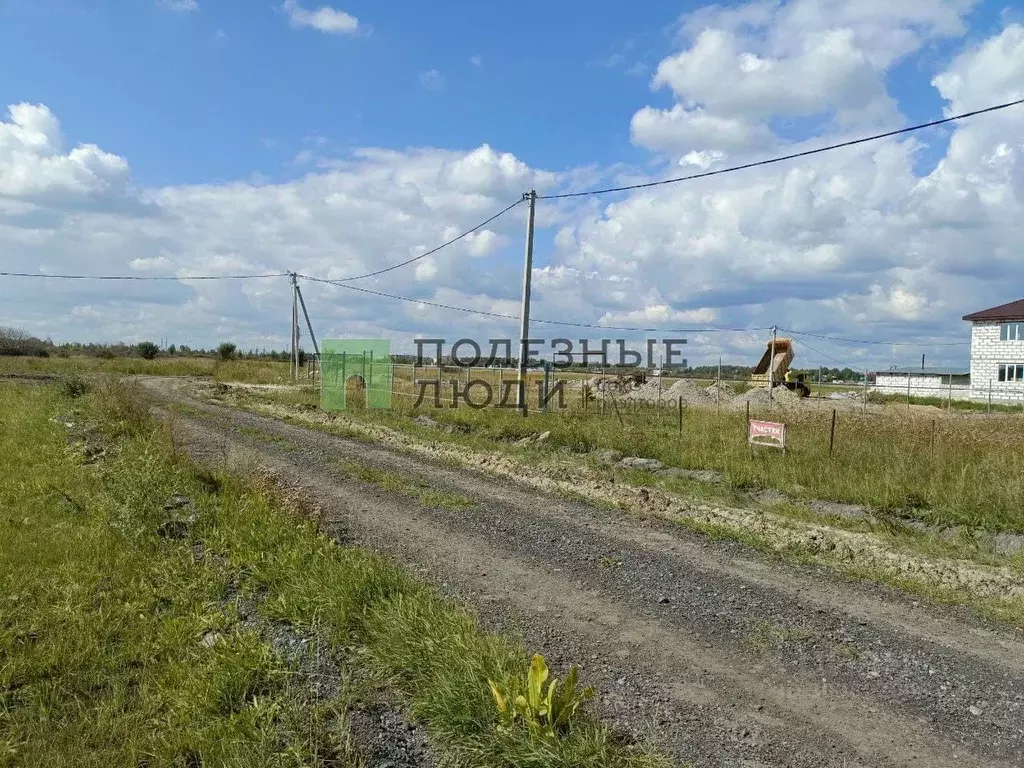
{"type": "Point", "coordinates": [704, 648]}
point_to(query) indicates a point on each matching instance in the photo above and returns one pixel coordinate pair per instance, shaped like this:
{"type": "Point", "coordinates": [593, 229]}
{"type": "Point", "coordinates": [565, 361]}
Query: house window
{"type": "Point", "coordinates": [1011, 371]}
{"type": "Point", "coordinates": [1011, 331]}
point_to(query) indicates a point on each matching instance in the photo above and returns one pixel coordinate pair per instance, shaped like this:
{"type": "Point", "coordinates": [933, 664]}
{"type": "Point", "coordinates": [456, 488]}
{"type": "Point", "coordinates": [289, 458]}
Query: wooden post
{"type": "Point", "coordinates": [616, 407]}
{"type": "Point", "coordinates": [908, 390]}
{"type": "Point", "coordinates": [524, 314]}
{"type": "Point", "coordinates": [718, 388]}
{"type": "Point", "coordinates": [679, 407]}
{"type": "Point", "coordinates": [990, 395]}
{"type": "Point", "coordinates": [832, 433]}
{"type": "Point", "coordinates": [949, 399]}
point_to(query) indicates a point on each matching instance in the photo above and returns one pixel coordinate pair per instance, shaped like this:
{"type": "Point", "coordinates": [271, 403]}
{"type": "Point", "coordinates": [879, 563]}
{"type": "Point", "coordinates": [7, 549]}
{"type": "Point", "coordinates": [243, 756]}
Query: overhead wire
{"type": "Point", "coordinates": [142, 277]}
{"type": "Point", "coordinates": [843, 363]}
{"type": "Point", "coordinates": [793, 156]}
{"type": "Point", "coordinates": [432, 251]}
{"type": "Point", "coordinates": [505, 316]}
{"type": "Point", "coordinates": [340, 282]}
{"type": "Point", "coordinates": [882, 343]}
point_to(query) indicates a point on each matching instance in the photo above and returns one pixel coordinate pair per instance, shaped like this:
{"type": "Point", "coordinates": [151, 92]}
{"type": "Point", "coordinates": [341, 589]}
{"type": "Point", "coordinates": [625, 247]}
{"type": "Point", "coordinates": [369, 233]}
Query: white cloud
{"type": "Point", "coordinates": [180, 6]}
{"type": "Point", "coordinates": [476, 61]}
{"type": "Point", "coordinates": [680, 129]}
{"type": "Point", "coordinates": [154, 263]}
{"type": "Point", "coordinates": [371, 209]}
{"type": "Point", "coordinates": [987, 74]}
{"type": "Point", "coordinates": [33, 164]}
{"type": "Point", "coordinates": [660, 315]}
{"type": "Point", "coordinates": [432, 80]}
{"type": "Point", "coordinates": [325, 19]}
{"type": "Point", "coordinates": [741, 67]}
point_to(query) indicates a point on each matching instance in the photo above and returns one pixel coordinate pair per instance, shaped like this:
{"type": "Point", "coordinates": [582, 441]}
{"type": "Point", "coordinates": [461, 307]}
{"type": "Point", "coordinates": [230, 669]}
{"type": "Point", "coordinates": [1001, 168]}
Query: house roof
{"type": "Point", "coordinates": [1012, 311]}
{"type": "Point", "coordinates": [923, 372]}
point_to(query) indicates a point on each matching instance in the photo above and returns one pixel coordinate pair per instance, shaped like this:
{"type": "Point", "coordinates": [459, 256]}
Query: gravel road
{"type": "Point", "coordinates": [703, 647]}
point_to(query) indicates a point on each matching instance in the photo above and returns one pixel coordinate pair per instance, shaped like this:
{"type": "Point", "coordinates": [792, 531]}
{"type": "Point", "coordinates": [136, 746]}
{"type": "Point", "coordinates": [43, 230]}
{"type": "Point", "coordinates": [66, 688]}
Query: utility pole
{"type": "Point", "coordinates": [771, 368]}
{"type": "Point", "coordinates": [524, 325]}
{"type": "Point", "coordinates": [309, 325]}
{"type": "Point", "coordinates": [295, 328]}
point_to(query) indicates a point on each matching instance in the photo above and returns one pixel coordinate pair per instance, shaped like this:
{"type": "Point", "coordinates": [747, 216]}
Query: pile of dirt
{"type": "Point", "coordinates": [721, 387]}
{"type": "Point", "coordinates": [655, 392]}
{"type": "Point", "coordinates": [760, 396]}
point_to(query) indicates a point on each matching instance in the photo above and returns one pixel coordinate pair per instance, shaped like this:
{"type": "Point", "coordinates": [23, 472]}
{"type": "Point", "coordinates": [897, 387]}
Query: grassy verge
{"type": "Point", "coordinates": [395, 483]}
{"type": "Point", "coordinates": [247, 371]}
{"type": "Point", "coordinates": [941, 470]}
{"type": "Point", "coordinates": [109, 611]}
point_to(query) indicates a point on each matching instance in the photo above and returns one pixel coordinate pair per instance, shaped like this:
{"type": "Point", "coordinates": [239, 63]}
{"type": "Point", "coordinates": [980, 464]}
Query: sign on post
{"type": "Point", "coordinates": [767, 433]}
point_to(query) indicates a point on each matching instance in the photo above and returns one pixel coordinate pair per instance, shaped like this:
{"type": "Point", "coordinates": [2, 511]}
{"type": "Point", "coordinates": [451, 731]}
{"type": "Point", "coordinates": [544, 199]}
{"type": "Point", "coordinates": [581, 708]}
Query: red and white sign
{"type": "Point", "coordinates": [767, 433]}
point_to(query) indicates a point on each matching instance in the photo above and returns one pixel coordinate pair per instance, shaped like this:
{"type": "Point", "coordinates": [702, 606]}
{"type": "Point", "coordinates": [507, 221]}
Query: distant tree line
{"type": "Point", "coordinates": [15, 342]}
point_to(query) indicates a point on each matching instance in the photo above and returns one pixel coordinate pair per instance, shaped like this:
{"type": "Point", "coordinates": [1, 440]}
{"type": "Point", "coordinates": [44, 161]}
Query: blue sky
{"type": "Point", "coordinates": [184, 136]}
{"type": "Point", "coordinates": [231, 88]}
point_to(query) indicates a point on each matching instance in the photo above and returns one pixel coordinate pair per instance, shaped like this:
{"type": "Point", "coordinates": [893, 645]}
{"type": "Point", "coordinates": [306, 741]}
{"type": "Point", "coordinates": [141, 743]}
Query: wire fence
{"type": "Point", "coordinates": [600, 392]}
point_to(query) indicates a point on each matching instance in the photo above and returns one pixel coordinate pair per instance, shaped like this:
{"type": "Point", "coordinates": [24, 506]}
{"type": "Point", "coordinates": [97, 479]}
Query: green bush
{"type": "Point", "coordinates": [226, 351]}
{"type": "Point", "coordinates": [147, 350]}
{"type": "Point", "coordinates": [18, 343]}
{"type": "Point", "coordinates": [74, 386]}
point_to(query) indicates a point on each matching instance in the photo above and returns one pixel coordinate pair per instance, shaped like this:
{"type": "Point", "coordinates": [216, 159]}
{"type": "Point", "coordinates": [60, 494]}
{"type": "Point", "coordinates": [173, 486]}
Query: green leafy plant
{"type": "Point", "coordinates": [147, 350]}
{"type": "Point", "coordinates": [226, 350]}
{"type": "Point", "coordinates": [74, 386]}
{"type": "Point", "coordinates": [546, 711]}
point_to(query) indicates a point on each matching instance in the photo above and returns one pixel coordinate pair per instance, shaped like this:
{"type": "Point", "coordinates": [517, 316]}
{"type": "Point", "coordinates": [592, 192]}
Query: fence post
{"type": "Point", "coordinates": [989, 395]}
{"type": "Point", "coordinates": [949, 399]}
{"type": "Point", "coordinates": [679, 407]}
{"type": "Point", "coordinates": [616, 407]}
{"type": "Point", "coordinates": [832, 433]}
{"type": "Point", "coordinates": [908, 390]}
{"type": "Point", "coordinates": [547, 385]}
{"type": "Point", "coordinates": [718, 388]}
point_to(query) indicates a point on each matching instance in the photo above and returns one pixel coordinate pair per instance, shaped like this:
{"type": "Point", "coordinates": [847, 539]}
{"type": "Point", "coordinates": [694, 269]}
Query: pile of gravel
{"type": "Point", "coordinates": [760, 396]}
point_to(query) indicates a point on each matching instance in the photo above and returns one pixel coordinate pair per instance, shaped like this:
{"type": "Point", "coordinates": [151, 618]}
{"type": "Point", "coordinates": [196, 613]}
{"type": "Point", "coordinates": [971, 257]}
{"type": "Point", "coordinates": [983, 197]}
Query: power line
{"type": "Point", "coordinates": [805, 153]}
{"type": "Point", "coordinates": [505, 316]}
{"type": "Point", "coordinates": [431, 252]}
{"type": "Point", "coordinates": [843, 363]}
{"type": "Point", "coordinates": [141, 277]}
{"type": "Point", "coordinates": [883, 343]}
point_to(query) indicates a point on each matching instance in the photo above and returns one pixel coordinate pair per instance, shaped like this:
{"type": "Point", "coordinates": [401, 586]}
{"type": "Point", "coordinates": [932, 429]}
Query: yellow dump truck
{"type": "Point", "coordinates": [775, 371]}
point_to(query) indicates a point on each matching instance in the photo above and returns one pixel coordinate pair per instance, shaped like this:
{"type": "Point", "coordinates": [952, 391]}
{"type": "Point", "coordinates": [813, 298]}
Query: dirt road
{"type": "Point", "coordinates": [717, 655]}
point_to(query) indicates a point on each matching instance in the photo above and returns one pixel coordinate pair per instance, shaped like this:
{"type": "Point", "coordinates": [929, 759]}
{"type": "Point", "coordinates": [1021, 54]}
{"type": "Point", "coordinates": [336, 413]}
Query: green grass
{"type": "Point", "coordinates": [267, 438]}
{"type": "Point", "coordinates": [102, 619]}
{"type": "Point", "coordinates": [974, 406]}
{"type": "Point", "coordinates": [248, 371]}
{"type": "Point", "coordinates": [944, 470]}
{"type": "Point", "coordinates": [395, 483]}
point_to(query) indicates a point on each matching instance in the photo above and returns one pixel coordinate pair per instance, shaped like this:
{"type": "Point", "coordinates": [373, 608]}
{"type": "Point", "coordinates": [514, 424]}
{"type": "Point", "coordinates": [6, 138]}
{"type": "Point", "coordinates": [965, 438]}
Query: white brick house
{"type": "Point", "coordinates": [923, 382]}
{"type": "Point", "coordinates": [997, 352]}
